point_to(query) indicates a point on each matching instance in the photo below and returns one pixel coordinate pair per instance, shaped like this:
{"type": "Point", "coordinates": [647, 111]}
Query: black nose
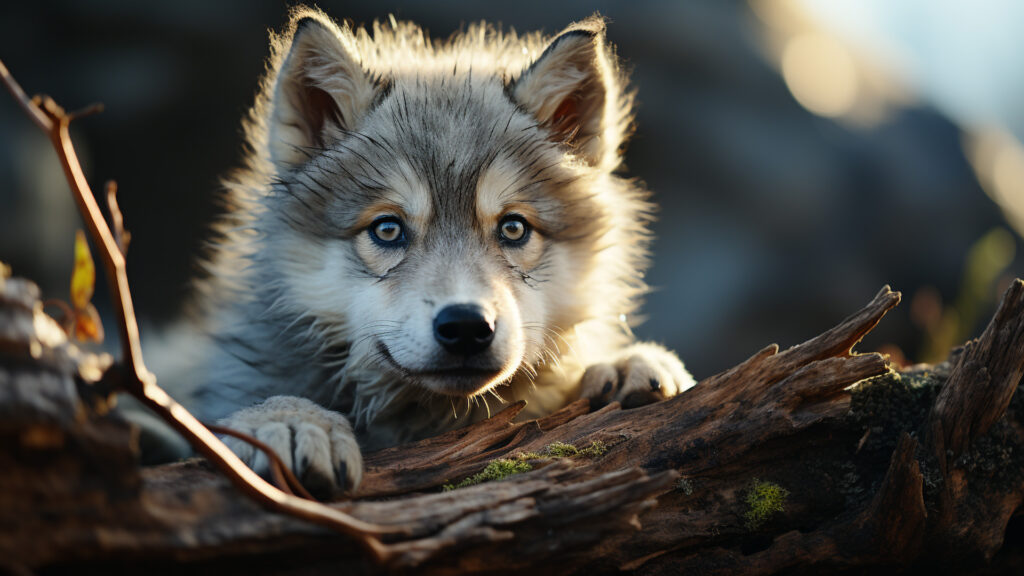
{"type": "Point", "coordinates": [463, 329]}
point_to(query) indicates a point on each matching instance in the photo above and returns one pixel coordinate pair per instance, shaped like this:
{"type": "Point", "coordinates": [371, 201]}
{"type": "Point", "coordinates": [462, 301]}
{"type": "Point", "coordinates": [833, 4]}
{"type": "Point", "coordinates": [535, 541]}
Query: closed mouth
{"type": "Point", "coordinates": [453, 372]}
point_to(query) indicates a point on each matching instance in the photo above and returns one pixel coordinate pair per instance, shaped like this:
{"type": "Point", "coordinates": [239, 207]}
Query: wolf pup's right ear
{"type": "Point", "coordinates": [320, 90]}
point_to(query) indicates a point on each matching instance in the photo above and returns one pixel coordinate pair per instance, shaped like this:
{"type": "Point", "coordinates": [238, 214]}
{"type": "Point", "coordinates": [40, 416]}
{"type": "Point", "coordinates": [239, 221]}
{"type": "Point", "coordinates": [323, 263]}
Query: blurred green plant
{"type": "Point", "coordinates": [984, 267]}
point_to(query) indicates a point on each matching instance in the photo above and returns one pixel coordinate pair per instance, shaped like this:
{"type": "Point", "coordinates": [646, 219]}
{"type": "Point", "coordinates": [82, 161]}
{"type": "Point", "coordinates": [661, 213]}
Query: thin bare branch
{"type": "Point", "coordinates": [283, 476]}
{"type": "Point", "coordinates": [122, 236]}
{"type": "Point", "coordinates": [131, 373]}
{"type": "Point", "coordinates": [89, 110]}
{"type": "Point", "coordinates": [26, 103]}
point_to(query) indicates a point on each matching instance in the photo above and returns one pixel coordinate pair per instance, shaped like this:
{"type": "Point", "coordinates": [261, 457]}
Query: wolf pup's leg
{"type": "Point", "coordinates": [637, 375]}
{"type": "Point", "coordinates": [316, 443]}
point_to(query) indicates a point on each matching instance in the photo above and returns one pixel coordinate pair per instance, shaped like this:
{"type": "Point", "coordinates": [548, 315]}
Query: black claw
{"type": "Point", "coordinates": [655, 384]}
{"type": "Point", "coordinates": [320, 487]}
{"type": "Point", "coordinates": [341, 475]}
{"type": "Point", "coordinates": [607, 388]}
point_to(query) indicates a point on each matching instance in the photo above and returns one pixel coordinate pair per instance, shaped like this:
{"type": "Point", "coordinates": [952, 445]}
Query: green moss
{"type": "Point", "coordinates": [764, 499]}
{"type": "Point", "coordinates": [518, 463]}
{"type": "Point", "coordinates": [561, 450]}
{"type": "Point", "coordinates": [564, 450]}
{"type": "Point", "coordinates": [595, 450]}
{"type": "Point", "coordinates": [495, 470]}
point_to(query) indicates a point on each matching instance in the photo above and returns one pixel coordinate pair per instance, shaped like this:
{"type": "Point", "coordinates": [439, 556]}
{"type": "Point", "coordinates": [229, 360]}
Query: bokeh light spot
{"type": "Point", "coordinates": [821, 74]}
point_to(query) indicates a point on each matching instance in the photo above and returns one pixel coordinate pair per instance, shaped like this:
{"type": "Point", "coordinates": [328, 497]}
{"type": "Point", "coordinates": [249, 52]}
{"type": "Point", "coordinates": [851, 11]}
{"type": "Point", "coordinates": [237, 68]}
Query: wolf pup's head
{"type": "Point", "coordinates": [447, 211]}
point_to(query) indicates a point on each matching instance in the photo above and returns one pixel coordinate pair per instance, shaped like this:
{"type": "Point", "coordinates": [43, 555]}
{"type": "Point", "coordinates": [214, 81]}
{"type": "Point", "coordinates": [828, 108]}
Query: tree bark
{"type": "Point", "coordinates": [810, 458]}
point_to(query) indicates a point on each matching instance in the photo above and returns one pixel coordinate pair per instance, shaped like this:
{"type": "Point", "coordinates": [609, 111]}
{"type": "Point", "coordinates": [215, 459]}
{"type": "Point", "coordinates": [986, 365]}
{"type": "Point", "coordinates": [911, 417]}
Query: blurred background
{"type": "Point", "coordinates": [804, 152]}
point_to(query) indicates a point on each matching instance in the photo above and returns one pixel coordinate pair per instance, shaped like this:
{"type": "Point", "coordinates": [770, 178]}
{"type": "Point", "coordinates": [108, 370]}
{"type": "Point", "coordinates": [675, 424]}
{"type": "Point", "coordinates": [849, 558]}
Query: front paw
{"type": "Point", "coordinates": [317, 444]}
{"type": "Point", "coordinates": [638, 375]}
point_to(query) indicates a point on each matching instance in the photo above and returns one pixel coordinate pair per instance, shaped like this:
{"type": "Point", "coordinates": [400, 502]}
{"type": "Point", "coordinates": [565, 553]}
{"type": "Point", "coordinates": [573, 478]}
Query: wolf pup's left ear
{"type": "Point", "coordinates": [573, 90]}
{"type": "Point", "coordinates": [320, 90]}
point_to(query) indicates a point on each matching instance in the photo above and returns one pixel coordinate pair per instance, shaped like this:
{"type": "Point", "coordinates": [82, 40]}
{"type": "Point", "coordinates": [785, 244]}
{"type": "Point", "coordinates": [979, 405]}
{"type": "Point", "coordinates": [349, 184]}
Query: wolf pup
{"type": "Point", "coordinates": [424, 231]}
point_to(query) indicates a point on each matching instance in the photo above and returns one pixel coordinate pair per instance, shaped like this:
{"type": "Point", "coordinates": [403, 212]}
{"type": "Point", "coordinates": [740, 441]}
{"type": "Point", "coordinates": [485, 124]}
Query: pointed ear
{"type": "Point", "coordinates": [567, 89]}
{"type": "Point", "coordinates": [320, 89]}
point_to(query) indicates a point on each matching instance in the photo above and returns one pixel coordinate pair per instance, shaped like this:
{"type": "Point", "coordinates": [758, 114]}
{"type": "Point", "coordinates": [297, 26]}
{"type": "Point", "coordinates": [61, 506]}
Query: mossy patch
{"type": "Point", "coordinates": [764, 499]}
{"type": "Point", "coordinates": [884, 408]}
{"type": "Point", "coordinates": [888, 405]}
{"type": "Point", "coordinates": [995, 460]}
{"type": "Point", "coordinates": [520, 462]}
{"type": "Point", "coordinates": [495, 470]}
{"type": "Point", "coordinates": [564, 450]}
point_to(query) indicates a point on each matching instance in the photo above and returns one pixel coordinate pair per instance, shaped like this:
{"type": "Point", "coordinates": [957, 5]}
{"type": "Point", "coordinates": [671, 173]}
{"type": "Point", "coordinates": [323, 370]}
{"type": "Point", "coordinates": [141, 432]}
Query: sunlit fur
{"type": "Point", "coordinates": [449, 134]}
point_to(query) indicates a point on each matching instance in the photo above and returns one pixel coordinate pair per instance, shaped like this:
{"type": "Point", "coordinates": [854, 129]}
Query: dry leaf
{"type": "Point", "coordinates": [88, 327]}
{"type": "Point", "coordinates": [83, 277]}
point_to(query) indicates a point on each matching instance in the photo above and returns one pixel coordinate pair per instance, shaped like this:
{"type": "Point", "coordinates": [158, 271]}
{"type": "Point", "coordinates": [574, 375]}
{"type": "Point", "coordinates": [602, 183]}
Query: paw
{"type": "Point", "coordinates": [317, 444]}
{"type": "Point", "coordinates": [640, 374]}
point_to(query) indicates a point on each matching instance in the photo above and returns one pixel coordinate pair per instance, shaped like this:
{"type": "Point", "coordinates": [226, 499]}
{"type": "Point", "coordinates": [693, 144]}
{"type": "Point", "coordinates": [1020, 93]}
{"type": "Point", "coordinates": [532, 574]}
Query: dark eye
{"type": "Point", "coordinates": [387, 231]}
{"type": "Point", "coordinates": [513, 229]}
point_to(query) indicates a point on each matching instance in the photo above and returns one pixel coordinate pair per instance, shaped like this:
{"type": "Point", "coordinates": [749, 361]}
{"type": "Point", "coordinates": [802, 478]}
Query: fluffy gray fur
{"type": "Point", "coordinates": [299, 303]}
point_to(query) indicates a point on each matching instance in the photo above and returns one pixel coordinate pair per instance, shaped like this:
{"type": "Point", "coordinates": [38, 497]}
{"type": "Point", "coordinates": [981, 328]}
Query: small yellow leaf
{"type": "Point", "coordinates": [88, 327]}
{"type": "Point", "coordinates": [83, 277]}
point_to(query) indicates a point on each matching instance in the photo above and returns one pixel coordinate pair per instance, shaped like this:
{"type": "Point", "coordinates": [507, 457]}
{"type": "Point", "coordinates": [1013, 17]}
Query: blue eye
{"type": "Point", "coordinates": [387, 231]}
{"type": "Point", "coordinates": [513, 230]}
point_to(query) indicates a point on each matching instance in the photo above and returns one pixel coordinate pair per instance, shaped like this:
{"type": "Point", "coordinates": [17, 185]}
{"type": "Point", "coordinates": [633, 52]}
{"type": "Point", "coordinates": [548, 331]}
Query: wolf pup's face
{"type": "Point", "coordinates": [442, 211]}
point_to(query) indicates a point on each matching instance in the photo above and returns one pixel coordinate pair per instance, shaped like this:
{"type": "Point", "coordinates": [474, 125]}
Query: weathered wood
{"type": "Point", "coordinates": [771, 393]}
{"type": "Point", "coordinates": [985, 375]}
{"type": "Point", "coordinates": [983, 380]}
{"type": "Point", "coordinates": [892, 472]}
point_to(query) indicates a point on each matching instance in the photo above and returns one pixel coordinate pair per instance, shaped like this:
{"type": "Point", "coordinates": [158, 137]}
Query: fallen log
{"type": "Point", "coordinates": [811, 458]}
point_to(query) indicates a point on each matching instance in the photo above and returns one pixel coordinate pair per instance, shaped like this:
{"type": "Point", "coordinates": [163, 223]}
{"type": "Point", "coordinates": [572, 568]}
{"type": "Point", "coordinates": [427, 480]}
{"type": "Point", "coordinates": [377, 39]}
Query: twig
{"type": "Point", "coordinates": [122, 236]}
{"type": "Point", "coordinates": [131, 374]}
{"type": "Point", "coordinates": [89, 110]}
{"type": "Point", "coordinates": [283, 477]}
